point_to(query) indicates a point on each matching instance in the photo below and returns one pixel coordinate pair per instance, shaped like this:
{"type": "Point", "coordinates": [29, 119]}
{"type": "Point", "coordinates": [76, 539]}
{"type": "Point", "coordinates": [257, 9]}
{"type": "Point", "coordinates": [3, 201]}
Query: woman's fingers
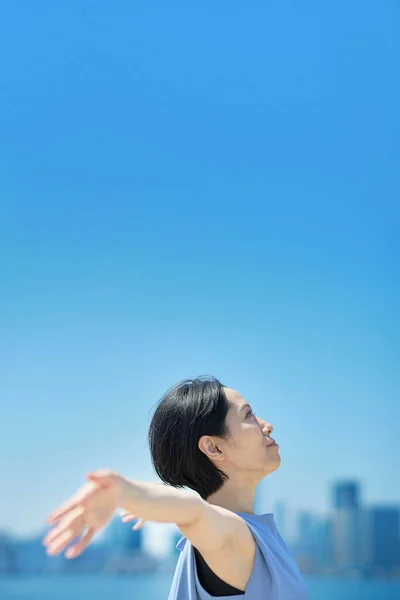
{"type": "Point", "coordinates": [71, 522]}
{"type": "Point", "coordinates": [79, 498]}
{"type": "Point", "coordinates": [72, 504]}
{"type": "Point", "coordinates": [61, 542]}
{"type": "Point", "coordinates": [126, 516]}
{"type": "Point", "coordinates": [78, 548]}
{"type": "Point", "coordinates": [138, 525]}
{"type": "Point", "coordinates": [61, 511]}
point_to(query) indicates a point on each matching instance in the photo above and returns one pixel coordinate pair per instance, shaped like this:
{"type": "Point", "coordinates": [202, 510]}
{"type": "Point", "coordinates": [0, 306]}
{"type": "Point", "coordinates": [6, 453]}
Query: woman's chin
{"type": "Point", "coordinates": [273, 464]}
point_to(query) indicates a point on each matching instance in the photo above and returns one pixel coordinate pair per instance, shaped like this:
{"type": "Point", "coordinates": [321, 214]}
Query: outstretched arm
{"type": "Point", "coordinates": [158, 502]}
{"type": "Point", "coordinates": [208, 527]}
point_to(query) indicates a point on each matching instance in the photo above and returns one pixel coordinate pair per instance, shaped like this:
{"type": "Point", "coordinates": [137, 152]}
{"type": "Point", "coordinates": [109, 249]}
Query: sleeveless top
{"type": "Point", "coordinates": [275, 574]}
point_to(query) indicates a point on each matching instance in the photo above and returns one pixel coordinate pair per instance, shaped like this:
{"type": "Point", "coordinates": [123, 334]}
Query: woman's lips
{"type": "Point", "coordinates": [272, 445]}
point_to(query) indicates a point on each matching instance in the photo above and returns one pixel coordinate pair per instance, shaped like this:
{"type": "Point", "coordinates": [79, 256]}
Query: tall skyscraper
{"type": "Point", "coordinates": [350, 527]}
{"type": "Point", "coordinates": [385, 523]}
{"type": "Point", "coordinates": [346, 495]}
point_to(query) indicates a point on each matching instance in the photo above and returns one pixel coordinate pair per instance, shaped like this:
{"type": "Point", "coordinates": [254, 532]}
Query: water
{"type": "Point", "coordinates": [151, 587]}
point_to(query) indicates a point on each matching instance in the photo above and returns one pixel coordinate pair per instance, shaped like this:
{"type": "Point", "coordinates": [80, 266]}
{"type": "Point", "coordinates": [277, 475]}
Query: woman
{"type": "Point", "coordinates": [205, 437]}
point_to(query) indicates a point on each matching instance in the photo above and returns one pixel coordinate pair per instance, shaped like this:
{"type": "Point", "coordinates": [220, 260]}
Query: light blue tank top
{"type": "Point", "coordinates": [275, 574]}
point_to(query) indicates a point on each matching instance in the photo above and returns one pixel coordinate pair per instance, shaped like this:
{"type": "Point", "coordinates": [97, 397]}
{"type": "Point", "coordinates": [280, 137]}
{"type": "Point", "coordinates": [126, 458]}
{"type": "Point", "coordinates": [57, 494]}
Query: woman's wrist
{"type": "Point", "coordinates": [125, 493]}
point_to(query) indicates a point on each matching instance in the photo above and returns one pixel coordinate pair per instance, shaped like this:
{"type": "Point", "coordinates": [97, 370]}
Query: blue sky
{"type": "Point", "coordinates": [189, 190]}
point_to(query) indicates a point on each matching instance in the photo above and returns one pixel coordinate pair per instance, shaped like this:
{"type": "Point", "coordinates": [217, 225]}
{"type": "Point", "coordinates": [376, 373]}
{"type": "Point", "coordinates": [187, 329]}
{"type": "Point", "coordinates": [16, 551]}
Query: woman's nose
{"type": "Point", "coordinates": [267, 428]}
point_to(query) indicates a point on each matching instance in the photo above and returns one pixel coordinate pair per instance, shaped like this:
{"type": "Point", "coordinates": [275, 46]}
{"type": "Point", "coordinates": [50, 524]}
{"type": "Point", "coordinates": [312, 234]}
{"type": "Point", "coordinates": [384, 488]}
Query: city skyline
{"type": "Point", "coordinates": [156, 537]}
{"type": "Point", "coordinates": [352, 539]}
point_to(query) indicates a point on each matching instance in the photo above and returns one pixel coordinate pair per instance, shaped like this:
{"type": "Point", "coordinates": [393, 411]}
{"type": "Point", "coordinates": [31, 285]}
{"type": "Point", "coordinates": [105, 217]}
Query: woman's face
{"type": "Point", "coordinates": [249, 447]}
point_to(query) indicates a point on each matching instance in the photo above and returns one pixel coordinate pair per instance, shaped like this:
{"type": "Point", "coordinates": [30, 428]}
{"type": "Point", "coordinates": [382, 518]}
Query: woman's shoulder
{"type": "Point", "coordinates": [264, 522]}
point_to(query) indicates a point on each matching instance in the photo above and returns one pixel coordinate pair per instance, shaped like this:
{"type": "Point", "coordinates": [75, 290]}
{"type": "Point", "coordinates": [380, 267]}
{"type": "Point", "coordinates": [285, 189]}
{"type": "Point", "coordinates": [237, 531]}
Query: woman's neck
{"type": "Point", "coordinates": [234, 497]}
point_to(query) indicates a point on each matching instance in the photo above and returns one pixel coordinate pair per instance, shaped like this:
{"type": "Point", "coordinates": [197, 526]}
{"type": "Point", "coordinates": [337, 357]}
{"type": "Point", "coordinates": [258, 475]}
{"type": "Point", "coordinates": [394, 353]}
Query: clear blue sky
{"type": "Point", "coordinates": [210, 188]}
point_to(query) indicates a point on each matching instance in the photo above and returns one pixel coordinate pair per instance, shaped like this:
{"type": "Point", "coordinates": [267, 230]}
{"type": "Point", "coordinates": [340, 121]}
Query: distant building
{"type": "Point", "coordinates": [351, 539]}
{"type": "Point", "coordinates": [92, 560]}
{"type": "Point", "coordinates": [385, 523]}
{"type": "Point", "coordinates": [346, 495]}
{"type": "Point", "coordinates": [7, 554]}
{"type": "Point", "coordinates": [324, 540]}
{"type": "Point", "coordinates": [30, 556]}
{"type": "Point", "coordinates": [120, 550]}
{"type": "Point", "coordinates": [121, 537]}
{"type": "Point", "coordinates": [313, 544]}
{"type": "Point", "coordinates": [123, 548]}
{"type": "Point", "coordinates": [306, 528]}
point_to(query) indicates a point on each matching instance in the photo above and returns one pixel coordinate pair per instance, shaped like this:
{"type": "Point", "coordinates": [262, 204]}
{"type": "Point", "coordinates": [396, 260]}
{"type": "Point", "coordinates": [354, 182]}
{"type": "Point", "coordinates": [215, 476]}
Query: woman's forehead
{"type": "Point", "coordinates": [234, 398]}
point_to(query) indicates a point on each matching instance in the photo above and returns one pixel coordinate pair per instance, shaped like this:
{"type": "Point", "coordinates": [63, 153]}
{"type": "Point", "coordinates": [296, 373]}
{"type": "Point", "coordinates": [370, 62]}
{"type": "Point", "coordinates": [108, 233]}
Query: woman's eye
{"type": "Point", "coordinates": [250, 414]}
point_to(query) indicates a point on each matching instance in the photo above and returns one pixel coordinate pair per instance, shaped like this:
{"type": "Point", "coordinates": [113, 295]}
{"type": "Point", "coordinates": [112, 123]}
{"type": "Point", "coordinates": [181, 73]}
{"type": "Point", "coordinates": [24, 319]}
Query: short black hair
{"type": "Point", "coordinates": [189, 410]}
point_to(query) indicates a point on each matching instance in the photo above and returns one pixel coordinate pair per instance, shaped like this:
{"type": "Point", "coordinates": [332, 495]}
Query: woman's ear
{"type": "Point", "coordinates": [208, 446]}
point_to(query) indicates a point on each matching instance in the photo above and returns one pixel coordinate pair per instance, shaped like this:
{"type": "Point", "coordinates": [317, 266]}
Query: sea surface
{"type": "Point", "coordinates": [154, 587]}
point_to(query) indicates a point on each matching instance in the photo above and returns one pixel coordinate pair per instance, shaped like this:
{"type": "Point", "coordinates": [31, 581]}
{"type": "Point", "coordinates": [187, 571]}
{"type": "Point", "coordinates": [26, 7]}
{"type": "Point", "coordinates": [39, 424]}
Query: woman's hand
{"type": "Point", "coordinates": [88, 511]}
